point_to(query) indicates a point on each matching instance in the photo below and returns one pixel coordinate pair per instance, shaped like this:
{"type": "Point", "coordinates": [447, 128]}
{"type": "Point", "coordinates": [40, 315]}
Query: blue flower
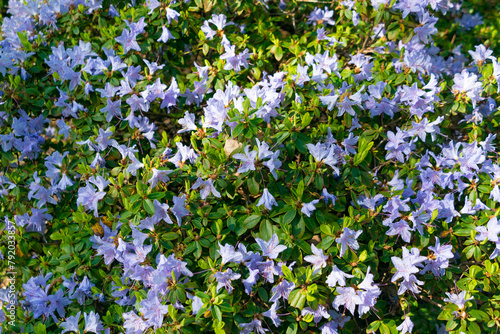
{"type": "Point", "coordinates": [267, 199]}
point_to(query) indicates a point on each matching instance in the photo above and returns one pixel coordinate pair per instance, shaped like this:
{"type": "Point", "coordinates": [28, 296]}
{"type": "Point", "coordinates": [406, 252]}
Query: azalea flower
{"type": "Point", "coordinates": [270, 248]}
{"type": "Point", "coordinates": [348, 239]}
{"type": "Point", "coordinates": [318, 260]}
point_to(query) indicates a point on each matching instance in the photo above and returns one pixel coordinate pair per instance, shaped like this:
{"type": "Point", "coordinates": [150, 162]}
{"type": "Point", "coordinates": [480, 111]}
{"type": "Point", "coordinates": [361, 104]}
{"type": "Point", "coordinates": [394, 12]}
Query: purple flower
{"type": "Point", "coordinates": [187, 123]}
{"type": "Point", "coordinates": [251, 280]}
{"type": "Point", "coordinates": [165, 35]}
{"type": "Point", "coordinates": [282, 290]}
{"type": "Point", "coordinates": [481, 54]}
{"type": "Point", "coordinates": [270, 248]}
{"type": "Point", "coordinates": [495, 194]}
{"type": "Point", "coordinates": [153, 310]}
{"type": "Point", "coordinates": [88, 197]}
{"type": "Point", "coordinates": [112, 109]}
{"type": "Point", "coordinates": [57, 303]}
{"type": "Point", "coordinates": [83, 290]}
{"type": "Point", "coordinates": [406, 266]}
{"type": "Point", "coordinates": [406, 326]}
{"type": "Point", "coordinates": [153, 67]}
{"type": "Point", "coordinates": [422, 128]}
{"type": "Point", "coordinates": [469, 21]}
{"type": "Point", "coordinates": [321, 16]}
{"type": "Point", "coordinates": [159, 175]}
{"type": "Point", "coordinates": [489, 232]}
{"type": "Point", "coordinates": [234, 61]}
{"type": "Point", "coordinates": [267, 199]}
{"type": "Point", "coordinates": [206, 187]}
{"type": "Point", "coordinates": [370, 203]}
{"type": "Point", "coordinates": [35, 223]}
{"type": "Point", "coordinates": [426, 28]}
{"type": "Point", "coordinates": [247, 159]}
{"type": "Point", "coordinates": [133, 323]}
{"type": "Point", "coordinates": [348, 239]}
{"type": "Point", "coordinates": [154, 91]}
{"type": "Point", "coordinates": [224, 279]}
{"type": "Point", "coordinates": [228, 254]}
{"type": "Point", "coordinates": [347, 297]}
{"type": "Point", "coordinates": [71, 323]}
{"type": "Point", "coordinates": [328, 197]}
{"type": "Point", "coordinates": [368, 293]}
{"type": "Point", "coordinates": [409, 6]}
{"type": "Point", "coordinates": [318, 260]}
{"type": "Point", "coordinates": [127, 39]}
{"type": "Point", "coordinates": [399, 228]}
{"type": "Point", "coordinates": [179, 210]}
{"type": "Point", "coordinates": [337, 276]}
{"type": "Point", "coordinates": [330, 100]}
{"type": "Point", "coordinates": [136, 27]}
{"type": "Point", "coordinates": [397, 147]}
{"type": "Point", "coordinates": [301, 77]}
{"type": "Point", "coordinates": [92, 323]}
{"type": "Point", "coordinates": [324, 154]}
{"type": "Point", "coordinates": [318, 314]}
{"type": "Point", "coordinates": [466, 82]}
{"type": "Point", "coordinates": [271, 313]}
{"type": "Point", "coordinates": [268, 270]}
{"type": "Point", "coordinates": [254, 326]}
{"type": "Point", "coordinates": [458, 300]}
{"type": "Point", "coordinates": [308, 208]}
{"type": "Point", "coordinates": [196, 305]}
{"type": "Point", "coordinates": [219, 21]}
{"type": "Point", "coordinates": [183, 154]}
{"type": "Point", "coordinates": [172, 15]}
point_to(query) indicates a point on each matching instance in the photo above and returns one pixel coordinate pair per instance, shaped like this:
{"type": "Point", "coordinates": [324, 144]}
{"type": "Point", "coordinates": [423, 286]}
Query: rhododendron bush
{"type": "Point", "coordinates": [249, 166]}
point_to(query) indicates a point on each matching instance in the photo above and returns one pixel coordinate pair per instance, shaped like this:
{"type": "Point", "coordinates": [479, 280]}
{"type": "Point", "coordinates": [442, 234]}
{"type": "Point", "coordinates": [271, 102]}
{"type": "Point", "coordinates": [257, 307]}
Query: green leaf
{"type": "Point", "coordinates": [216, 312]}
{"type": "Point", "coordinates": [299, 191]}
{"type": "Point", "coordinates": [266, 230]}
{"type": "Point", "coordinates": [251, 222]}
{"type": "Point", "coordinates": [434, 215]}
{"type": "Point", "coordinates": [156, 195]}
{"type": "Point", "coordinates": [451, 324]}
{"type": "Point", "coordinates": [373, 327]}
{"type": "Point", "coordinates": [474, 328]}
{"type": "Point", "coordinates": [484, 189]}
{"type": "Point", "coordinates": [278, 54]}
{"type": "Point", "coordinates": [408, 36]}
{"type": "Point", "coordinates": [400, 79]}
{"type": "Point", "coordinates": [148, 205]}
{"type": "Point", "coordinates": [364, 149]}
{"type": "Point", "coordinates": [478, 315]}
{"type": "Point", "coordinates": [253, 186]}
{"type": "Point", "coordinates": [203, 296]}
{"type": "Point", "coordinates": [40, 328]}
{"type": "Point", "coordinates": [384, 329]}
{"type": "Point", "coordinates": [287, 273]}
{"type": "Point", "coordinates": [297, 298]}
{"type": "Point", "coordinates": [289, 216]}
{"type": "Point", "coordinates": [292, 329]}
{"type": "Point", "coordinates": [238, 130]}
{"type": "Point", "coordinates": [170, 236]}
{"type": "Point", "coordinates": [299, 228]}
{"type": "Point", "coordinates": [392, 34]}
{"type": "Point", "coordinates": [263, 294]}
